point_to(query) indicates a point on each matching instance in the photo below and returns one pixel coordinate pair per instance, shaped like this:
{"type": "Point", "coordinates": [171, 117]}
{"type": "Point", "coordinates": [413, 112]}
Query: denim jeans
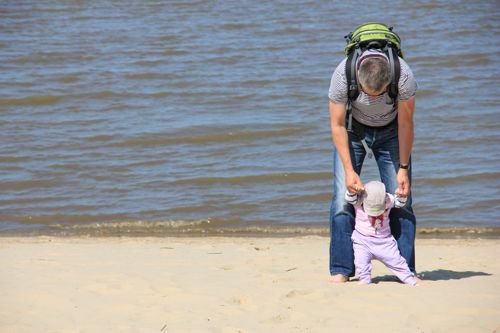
{"type": "Point", "coordinates": [385, 146]}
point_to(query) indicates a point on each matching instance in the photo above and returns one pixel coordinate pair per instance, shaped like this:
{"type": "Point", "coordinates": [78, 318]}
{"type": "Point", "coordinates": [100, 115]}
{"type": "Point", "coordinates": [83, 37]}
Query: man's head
{"type": "Point", "coordinates": [374, 75]}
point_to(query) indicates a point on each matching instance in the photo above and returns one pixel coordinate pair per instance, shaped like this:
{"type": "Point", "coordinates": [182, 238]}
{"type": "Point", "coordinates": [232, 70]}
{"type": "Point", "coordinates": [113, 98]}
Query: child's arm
{"type": "Point", "coordinates": [351, 198]}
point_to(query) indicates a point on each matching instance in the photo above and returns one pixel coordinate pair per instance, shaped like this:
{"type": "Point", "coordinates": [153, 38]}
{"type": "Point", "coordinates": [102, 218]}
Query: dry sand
{"type": "Point", "coordinates": [182, 285]}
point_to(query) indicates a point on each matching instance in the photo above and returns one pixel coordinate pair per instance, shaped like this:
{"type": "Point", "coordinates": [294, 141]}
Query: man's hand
{"type": "Point", "coordinates": [353, 183]}
{"type": "Point", "coordinates": [403, 189]}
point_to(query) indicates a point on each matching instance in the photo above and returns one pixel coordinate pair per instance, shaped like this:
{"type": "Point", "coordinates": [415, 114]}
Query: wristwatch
{"type": "Point", "coordinates": [404, 166]}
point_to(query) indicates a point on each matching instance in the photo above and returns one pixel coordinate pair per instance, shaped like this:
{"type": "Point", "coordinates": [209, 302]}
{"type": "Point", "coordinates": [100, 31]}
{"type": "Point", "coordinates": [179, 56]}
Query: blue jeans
{"type": "Point", "coordinates": [385, 146]}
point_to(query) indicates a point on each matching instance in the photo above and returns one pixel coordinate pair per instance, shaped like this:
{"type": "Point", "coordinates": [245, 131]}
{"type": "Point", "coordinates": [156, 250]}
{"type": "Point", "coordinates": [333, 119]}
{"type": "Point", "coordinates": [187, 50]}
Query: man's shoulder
{"type": "Point", "coordinates": [404, 65]}
{"type": "Point", "coordinates": [341, 66]}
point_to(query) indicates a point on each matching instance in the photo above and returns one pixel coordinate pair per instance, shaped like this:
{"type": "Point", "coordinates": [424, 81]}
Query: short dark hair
{"type": "Point", "coordinates": [374, 73]}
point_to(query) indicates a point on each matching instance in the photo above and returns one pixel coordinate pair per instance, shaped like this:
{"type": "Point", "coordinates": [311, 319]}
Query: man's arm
{"type": "Point", "coordinates": [340, 139]}
{"type": "Point", "coordinates": [405, 136]}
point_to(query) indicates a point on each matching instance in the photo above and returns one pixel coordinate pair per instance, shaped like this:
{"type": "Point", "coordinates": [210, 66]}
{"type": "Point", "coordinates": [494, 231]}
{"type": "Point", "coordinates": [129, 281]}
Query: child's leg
{"type": "Point", "coordinates": [390, 256]}
{"type": "Point", "coordinates": [362, 259]}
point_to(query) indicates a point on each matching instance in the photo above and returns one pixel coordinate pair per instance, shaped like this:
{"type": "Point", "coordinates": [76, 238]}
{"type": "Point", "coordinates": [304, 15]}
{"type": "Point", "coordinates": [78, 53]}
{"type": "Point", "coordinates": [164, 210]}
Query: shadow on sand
{"type": "Point", "coordinates": [445, 274]}
{"type": "Point", "coordinates": [435, 275]}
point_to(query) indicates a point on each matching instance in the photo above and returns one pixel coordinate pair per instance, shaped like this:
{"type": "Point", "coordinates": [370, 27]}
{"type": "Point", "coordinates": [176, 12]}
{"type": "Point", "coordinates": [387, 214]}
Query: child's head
{"type": "Point", "coordinates": [374, 198]}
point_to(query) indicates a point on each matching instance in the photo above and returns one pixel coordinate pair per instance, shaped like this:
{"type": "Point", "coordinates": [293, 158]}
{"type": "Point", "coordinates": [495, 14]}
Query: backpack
{"type": "Point", "coordinates": [372, 36]}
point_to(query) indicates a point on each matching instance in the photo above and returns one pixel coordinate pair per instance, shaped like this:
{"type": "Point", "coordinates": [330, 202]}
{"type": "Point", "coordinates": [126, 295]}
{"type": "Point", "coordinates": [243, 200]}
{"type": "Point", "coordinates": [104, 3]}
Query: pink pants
{"type": "Point", "coordinates": [367, 248]}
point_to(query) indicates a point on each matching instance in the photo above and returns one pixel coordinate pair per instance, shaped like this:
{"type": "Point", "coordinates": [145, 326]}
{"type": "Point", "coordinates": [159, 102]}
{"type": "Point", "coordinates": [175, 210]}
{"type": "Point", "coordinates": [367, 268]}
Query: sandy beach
{"type": "Point", "coordinates": [231, 284]}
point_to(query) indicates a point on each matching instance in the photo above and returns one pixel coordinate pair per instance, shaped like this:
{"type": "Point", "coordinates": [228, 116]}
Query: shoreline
{"type": "Point", "coordinates": [278, 231]}
{"type": "Point", "coordinates": [237, 285]}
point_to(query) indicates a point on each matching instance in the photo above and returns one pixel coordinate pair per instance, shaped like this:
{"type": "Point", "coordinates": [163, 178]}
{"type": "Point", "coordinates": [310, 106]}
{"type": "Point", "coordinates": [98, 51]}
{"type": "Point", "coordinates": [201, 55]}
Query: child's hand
{"type": "Point", "coordinates": [399, 201]}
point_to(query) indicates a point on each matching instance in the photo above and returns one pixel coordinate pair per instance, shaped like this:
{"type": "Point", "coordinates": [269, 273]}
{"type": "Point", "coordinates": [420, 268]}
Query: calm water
{"type": "Point", "coordinates": [212, 116]}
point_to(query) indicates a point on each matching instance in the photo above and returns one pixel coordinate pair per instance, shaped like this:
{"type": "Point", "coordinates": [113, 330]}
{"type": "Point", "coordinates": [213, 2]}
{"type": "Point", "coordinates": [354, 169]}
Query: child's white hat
{"type": "Point", "coordinates": [374, 198]}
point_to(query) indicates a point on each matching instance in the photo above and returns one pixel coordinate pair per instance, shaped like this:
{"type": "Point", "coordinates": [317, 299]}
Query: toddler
{"type": "Point", "coordinates": [372, 238]}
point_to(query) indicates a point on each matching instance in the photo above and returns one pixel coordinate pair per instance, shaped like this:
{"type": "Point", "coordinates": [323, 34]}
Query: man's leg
{"type": "Point", "coordinates": [403, 228]}
{"type": "Point", "coordinates": [402, 220]}
{"type": "Point", "coordinates": [341, 226]}
{"type": "Point", "coordinates": [342, 217]}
